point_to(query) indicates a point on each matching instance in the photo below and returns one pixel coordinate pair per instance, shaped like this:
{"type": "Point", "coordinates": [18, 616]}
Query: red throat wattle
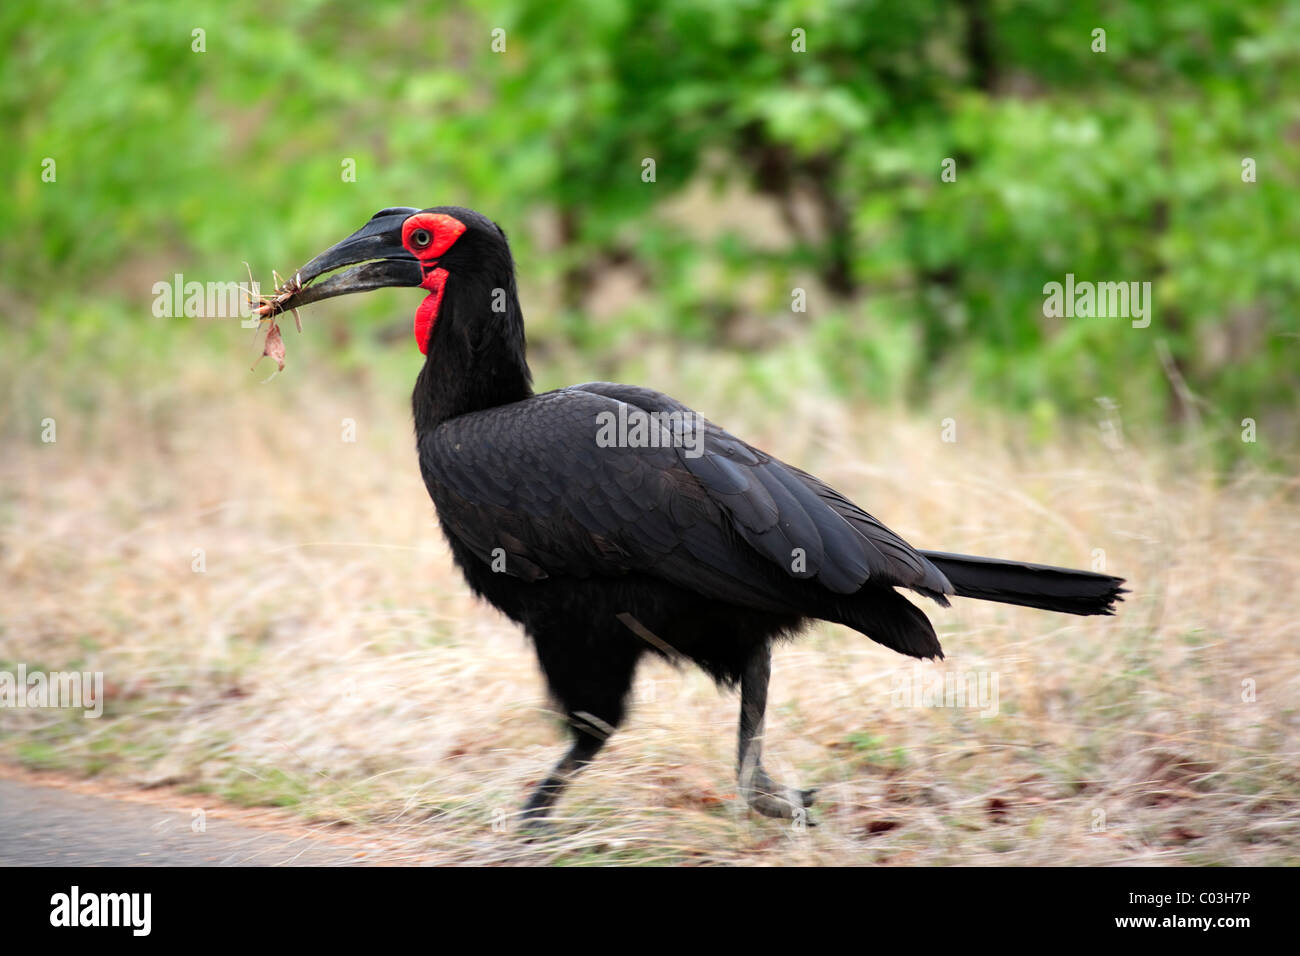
{"type": "Point", "coordinates": [427, 313]}
{"type": "Point", "coordinates": [437, 232]}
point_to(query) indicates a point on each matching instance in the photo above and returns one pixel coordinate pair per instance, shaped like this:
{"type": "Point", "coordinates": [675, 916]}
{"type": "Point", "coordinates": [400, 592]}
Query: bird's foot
{"type": "Point", "coordinates": [534, 825]}
{"type": "Point", "coordinates": [764, 795]}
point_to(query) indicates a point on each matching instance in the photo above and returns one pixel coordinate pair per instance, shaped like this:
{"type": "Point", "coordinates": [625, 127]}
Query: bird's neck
{"type": "Point", "coordinates": [476, 352]}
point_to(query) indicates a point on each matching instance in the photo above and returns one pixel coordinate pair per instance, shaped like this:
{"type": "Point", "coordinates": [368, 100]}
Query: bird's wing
{"type": "Point", "coordinates": [562, 484]}
{"type": "Point", "coordinates": [855, 547]}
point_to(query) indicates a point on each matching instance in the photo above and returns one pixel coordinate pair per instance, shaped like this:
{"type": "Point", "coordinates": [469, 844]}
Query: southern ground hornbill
{"type": "Point", "coordinates": [610, 520]}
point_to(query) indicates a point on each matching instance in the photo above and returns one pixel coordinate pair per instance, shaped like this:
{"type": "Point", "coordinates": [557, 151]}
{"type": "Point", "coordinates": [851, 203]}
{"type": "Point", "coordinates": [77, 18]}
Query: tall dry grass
{"type": "Point", "coordinates": [329, 658]}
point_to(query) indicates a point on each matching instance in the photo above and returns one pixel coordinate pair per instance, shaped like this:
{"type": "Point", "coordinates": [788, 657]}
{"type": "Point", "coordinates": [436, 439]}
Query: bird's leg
{"type": "Point", "coordinates": [591, 734]}
{"type": "Point", "coordinates": [590, 675]}
{"type": "Point", "coordinates": [760, 791]}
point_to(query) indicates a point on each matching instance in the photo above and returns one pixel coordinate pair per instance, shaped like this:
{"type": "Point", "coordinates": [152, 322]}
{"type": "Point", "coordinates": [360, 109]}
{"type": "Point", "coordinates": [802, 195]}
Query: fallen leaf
{"type": "Point", "coordinates": [1180, 834]}
{"type": "Point", "coordinates": [882, 826]}
{"type": "Point", "coordinates": [997, 810]}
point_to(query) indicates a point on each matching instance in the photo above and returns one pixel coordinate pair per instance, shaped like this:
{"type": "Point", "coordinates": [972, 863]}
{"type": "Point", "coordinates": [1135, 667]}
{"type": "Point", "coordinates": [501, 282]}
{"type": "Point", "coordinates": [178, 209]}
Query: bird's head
{"type": "Point", "coordinates": [425, 248]}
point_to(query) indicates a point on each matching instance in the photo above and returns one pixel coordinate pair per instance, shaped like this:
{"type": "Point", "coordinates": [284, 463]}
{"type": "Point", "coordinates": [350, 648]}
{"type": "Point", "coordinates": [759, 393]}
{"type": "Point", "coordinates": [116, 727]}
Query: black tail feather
{"type": "Point", "coordinates": [1029, 585]}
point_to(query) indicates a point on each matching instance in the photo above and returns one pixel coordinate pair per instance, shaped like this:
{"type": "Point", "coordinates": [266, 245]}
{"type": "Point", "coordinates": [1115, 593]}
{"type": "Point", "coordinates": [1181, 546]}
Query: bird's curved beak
{"type": "Point", "coordinates": [377, 246]}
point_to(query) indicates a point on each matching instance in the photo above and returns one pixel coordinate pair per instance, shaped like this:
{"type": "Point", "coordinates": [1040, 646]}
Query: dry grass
{"type": "Point", "coordinates": [330, 659]}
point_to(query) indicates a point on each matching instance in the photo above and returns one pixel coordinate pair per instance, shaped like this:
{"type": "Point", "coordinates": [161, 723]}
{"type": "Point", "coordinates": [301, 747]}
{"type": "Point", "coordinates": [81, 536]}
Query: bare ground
{"type": "Point", "coordinates": [278, 624]}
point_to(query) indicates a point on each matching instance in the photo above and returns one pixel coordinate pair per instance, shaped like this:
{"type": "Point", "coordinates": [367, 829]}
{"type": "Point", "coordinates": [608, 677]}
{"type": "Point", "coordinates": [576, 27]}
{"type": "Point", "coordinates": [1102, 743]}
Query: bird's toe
{"type": "Point", "coordinates": [783, 803]}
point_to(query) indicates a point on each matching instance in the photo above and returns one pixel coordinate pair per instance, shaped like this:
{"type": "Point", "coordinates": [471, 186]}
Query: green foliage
{"type": "Point", "coordinates": [1123, 165]}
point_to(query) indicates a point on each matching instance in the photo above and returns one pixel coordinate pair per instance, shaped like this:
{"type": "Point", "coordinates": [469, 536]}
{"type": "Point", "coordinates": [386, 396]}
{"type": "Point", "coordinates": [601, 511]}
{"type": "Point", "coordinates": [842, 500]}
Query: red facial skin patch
{"type": "Point", "coordinates": [427, 313]}
{"type": "Point", "coordinates": [443, 231]}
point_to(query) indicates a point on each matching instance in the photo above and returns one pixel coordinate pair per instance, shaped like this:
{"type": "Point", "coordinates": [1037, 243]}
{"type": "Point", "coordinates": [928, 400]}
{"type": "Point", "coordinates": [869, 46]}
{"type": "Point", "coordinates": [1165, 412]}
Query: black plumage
{"type": "Point", "coordinates": [694, 546]}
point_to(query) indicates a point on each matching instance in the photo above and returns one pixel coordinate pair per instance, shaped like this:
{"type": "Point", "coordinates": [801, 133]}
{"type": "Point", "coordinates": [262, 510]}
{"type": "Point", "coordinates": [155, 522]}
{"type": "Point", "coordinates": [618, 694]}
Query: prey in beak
{"type": "Point", "coordinates": [399, 246]}
{"type": "Point", "coordinates": [379, 260]}
{"type": "Point", "coordinates": [376, 253]}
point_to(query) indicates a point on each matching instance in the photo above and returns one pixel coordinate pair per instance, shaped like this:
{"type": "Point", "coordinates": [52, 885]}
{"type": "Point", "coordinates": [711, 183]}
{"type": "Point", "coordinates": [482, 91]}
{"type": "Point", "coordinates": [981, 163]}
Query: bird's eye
{"type": "Point", "coordinates": [421, 238]}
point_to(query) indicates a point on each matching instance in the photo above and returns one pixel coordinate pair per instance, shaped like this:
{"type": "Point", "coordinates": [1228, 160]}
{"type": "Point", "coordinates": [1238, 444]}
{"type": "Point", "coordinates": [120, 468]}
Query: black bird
{"type": "Point", "coordinates": [611, 521]}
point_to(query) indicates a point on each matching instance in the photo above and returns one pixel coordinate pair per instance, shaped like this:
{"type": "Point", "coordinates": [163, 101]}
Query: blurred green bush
{"type": "Point", "coordinates": [1123, 165]}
